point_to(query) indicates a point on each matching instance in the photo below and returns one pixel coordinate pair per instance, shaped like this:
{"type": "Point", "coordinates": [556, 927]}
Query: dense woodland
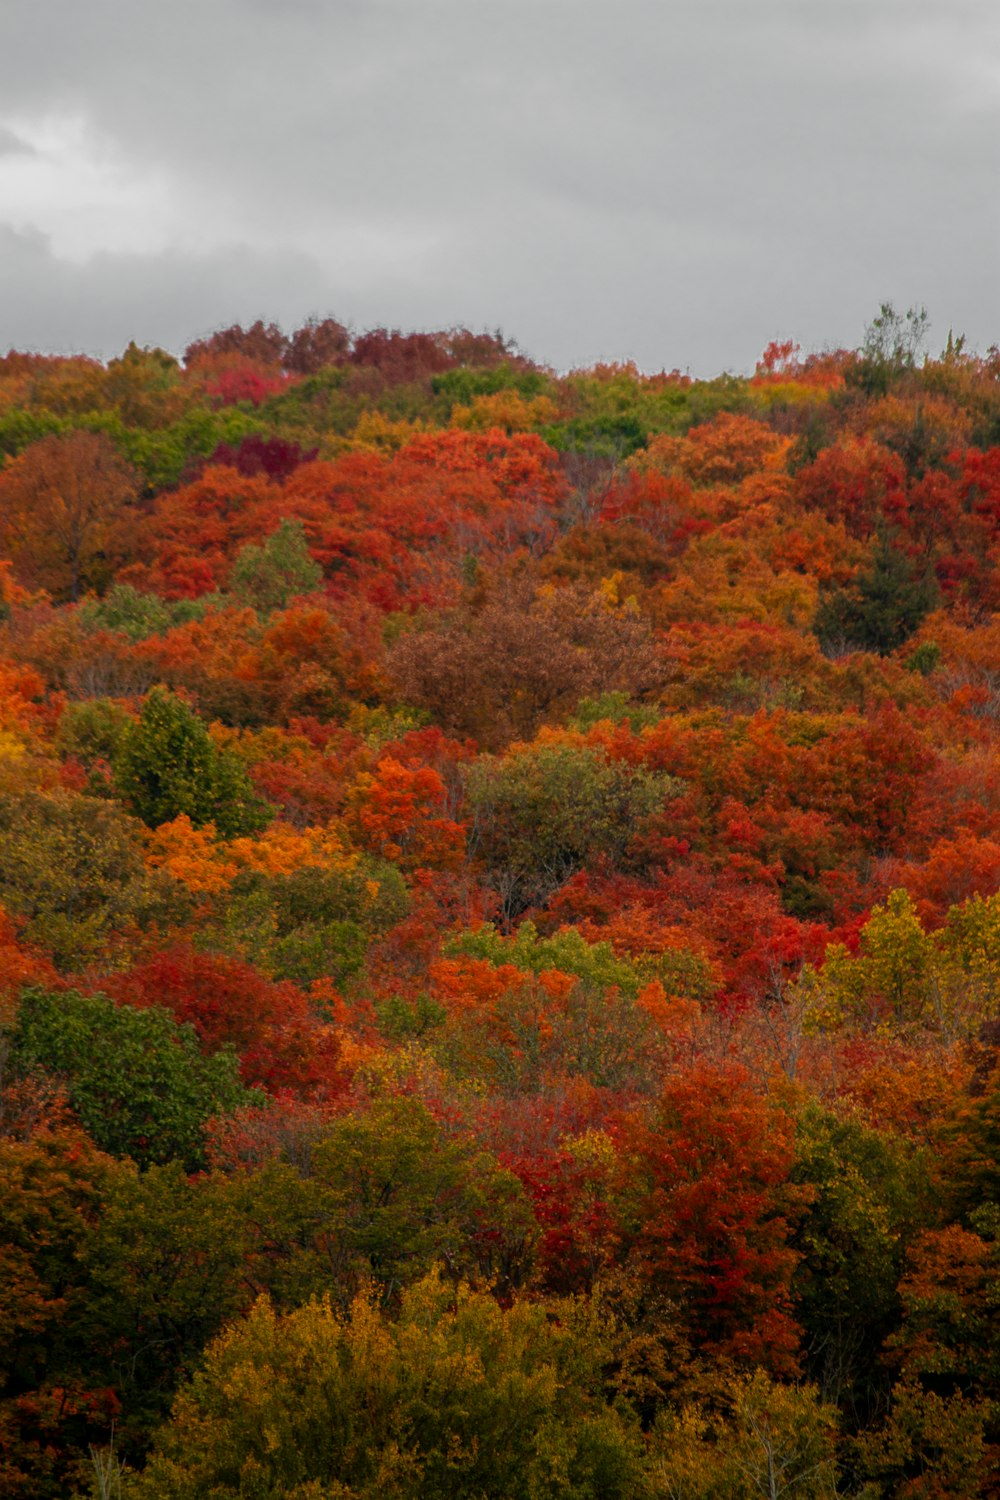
{"type": "Point", "coordinates": [499, 923]}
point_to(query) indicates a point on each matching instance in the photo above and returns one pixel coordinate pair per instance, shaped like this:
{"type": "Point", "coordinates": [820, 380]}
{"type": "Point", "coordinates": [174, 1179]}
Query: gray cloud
{"type": "Point", "coordinates": [11, 144]}
{"type": "Point", "coordinates": [677, 181]}
{"type": "Point", "coordinates": [167, 299]}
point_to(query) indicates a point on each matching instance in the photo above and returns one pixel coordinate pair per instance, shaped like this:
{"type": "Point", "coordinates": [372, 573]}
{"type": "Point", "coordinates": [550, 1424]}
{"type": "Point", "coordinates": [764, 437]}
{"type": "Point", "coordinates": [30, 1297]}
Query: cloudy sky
{"type": "Point", "coordinates": [673, 181]}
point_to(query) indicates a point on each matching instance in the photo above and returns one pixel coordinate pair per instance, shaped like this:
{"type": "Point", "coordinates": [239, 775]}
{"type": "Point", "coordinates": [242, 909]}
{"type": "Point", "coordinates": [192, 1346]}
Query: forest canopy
{"type": "Point", "coordinates": [499, 922]}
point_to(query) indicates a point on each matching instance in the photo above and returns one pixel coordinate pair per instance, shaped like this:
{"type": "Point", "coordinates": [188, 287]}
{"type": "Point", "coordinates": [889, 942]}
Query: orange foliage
{"type": "Point", "coordinates": [207, 864]}
{"type": "Point", "coordinates": [397, 812]}
{"type": "Point", "coordinates": [19, 966]}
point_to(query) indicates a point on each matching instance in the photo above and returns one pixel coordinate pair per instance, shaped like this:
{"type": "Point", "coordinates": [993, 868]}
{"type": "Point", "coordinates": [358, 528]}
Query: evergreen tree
{"type": "Point", "coordinates": [882, 608]}
{"type": "Point", "coordinates": [168, 765]}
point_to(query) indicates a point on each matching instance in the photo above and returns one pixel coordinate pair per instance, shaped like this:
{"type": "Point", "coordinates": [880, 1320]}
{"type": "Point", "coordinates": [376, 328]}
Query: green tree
{"type": "Point", "coordinates": [882, 608]}
{"type": "Point", "coordinates": [136, 1079]}
{"type": "Point", "coordinates": [165, 1267]}
{"type": "Point", "coordinates": [868, 1191]}
{"type": "Point", "coordinates": [544, 813]}
{"type": "Point", "coordinates": [679, 970]}
{"type": "Point", "coordinates": [128, 611]}
{"type": "Point", "coordinates": [313, 923]}
{"type": "Point", "coordinates": [72, 868]}
{"type": "Point", "coordinates": [386, 1194]}
{"type": "Point", "coordinates": [268, 576]}
{"type": "Point", "coordinates": [168, 765]}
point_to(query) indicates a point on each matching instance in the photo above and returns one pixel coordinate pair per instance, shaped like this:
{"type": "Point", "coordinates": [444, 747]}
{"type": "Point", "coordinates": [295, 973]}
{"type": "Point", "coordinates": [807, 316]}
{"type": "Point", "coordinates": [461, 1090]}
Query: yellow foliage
{"type": "Point", "coordinates": [376, 431]}
{"type": "Point", "coordinates": [507, 410]}
{"type": "Point", "coordinates": [11, 748]}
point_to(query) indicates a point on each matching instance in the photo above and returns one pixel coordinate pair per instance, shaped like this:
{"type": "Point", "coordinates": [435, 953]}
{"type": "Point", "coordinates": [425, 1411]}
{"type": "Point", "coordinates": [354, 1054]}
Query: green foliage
{"type": "Point", "coordinates": [72, 868]}
{"type": "Point", "coordinates": [387, 1192]}
{"type": "Point", "coordinates": [380, 726]}
{"type": "Point", "coordinates": [615, 436]}
{"type": "Point", "coordinates": [947, 980]}
{"type": "Point", "coordinates": [166, 1269]}
{"type": "Point", "coordinates": [543, 813]}
{"type": "Point", "coordinates": [459, 1399]}
{"type": "Point", "coordinates": [869, 1192]}
{"type": "Point", "coordinates": [925, 658]}
{"type": "Point", "coordinates": [931, 1444]}
{"type": "Point", "coordinates": [881, 609]}
{"type": "Point", "coordinates": [461, 387]}
{"type": "Point", "coordinates": [168, 765]}
{"type": "Point", "coordinates": [617, 707]}
{"type": "Point", "coordinates": [680, 971]}
{"type": "Point", "coordinates": [163, 454]}
{"type": "Point", "coordinates": [313, 923]}
{"type": "Point", "coordinates": [20, 427]}
{"type": "Point", "coordinates": [136, 1079]}
{"type": "Point", "coordinates": [270, 575]}
{"type": "Point", "coordinates": [129, 612]}
{"type": "Point", "coordinates": [93, 729]}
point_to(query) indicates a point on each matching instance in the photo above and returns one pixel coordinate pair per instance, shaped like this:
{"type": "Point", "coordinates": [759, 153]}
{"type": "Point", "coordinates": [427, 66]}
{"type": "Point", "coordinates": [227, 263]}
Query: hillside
{"type": "Point", "coordinates": [499, 922]}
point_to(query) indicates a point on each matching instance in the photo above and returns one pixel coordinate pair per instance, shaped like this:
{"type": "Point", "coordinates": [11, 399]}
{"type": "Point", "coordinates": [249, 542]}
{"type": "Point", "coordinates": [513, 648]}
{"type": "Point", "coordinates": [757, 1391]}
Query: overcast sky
{"type": "Point", "coordinates": [672, 181]}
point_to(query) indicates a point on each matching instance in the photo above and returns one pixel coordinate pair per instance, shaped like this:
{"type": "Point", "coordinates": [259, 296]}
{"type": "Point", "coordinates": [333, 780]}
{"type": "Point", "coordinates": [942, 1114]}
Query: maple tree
{"type": "Point", "coordinates": [713, 1223]}
{"type": "Point", "coordinates": [62, 505]}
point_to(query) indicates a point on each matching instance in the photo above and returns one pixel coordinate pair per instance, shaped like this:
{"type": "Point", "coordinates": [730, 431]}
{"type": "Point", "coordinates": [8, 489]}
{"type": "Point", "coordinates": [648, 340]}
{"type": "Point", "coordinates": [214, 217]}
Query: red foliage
{"type": "Point", "coordinates": [715, 1208]}
{"type": "Point", "coordinates": [858, 482]}
{"type": "Point", "coordinates": [282, 1045]}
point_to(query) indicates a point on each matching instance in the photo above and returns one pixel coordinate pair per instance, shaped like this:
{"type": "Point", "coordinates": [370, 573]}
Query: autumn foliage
{"type": "Point", "coordinates": [499, 922]}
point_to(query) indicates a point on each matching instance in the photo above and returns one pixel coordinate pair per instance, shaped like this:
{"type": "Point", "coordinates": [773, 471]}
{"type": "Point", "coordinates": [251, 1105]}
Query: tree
{"type": "Point", "coordinates": [262, 342]}
{"type": "Point", "coordinates": [544, 813]}
{"type": "Point", "coordinates": [280, 1041]}
{"type": "Point", "coordinates": [856, 481]}
{"type": "Point", "coordinates": [62, 504]}
{"type": "Point", "coordinates": [399, 812]}
{"type": "Point", "coordinates": [314, 922]}
{"type": "Point", "coordinates": [268, 576]}
{"type": "Point", "coordinates": [165, 1269]}
{"type": "Point", "coordinates": [72, 869]}
{"type": "Point", "coordinates": [770, 1442]}
{"type": "Point", "coordinates": [318, 344]}
{"type": "Point", "coordinates": [53, 1190]}
{"type": "Point", "coordinates": [384, 1195]}
{"type": "Point", "coordinates": [458, 1399]}
{"type": "Point", "coordinates": [891, 345]}
{"type": "Point", "coordinates": [136, 1079]}
{"type": "Point", "coordinates": [714, 1209]}
{"type": "Point", "coordinates": [521, 660]}
{"type": "Point", "coordinates": [168, 765]}
{"type": "Point", "coordinates": [867, 1188]}
{"type": "Point", "coordinates": [882, 608]}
